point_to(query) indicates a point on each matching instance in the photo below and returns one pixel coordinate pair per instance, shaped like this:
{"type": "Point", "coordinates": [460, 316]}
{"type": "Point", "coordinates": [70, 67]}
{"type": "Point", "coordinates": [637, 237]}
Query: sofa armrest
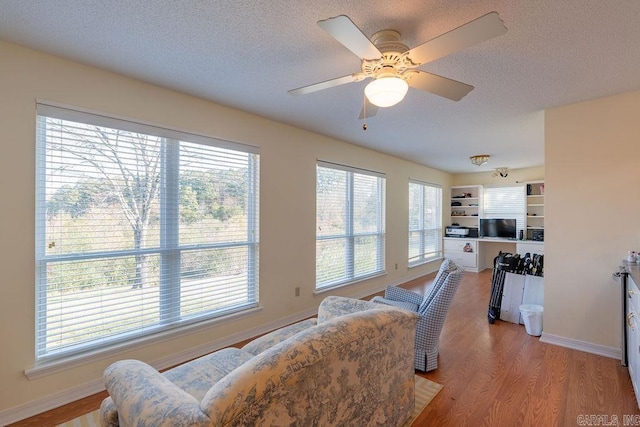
{"type": "Point", "coordinates": [396, 293]}
{"type": "Point", "coordinates": [143, 396]}
{"type": "Point", "coordinates": [108, 413]}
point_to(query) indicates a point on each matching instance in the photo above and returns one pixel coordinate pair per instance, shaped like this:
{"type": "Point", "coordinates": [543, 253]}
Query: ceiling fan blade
{"type": "Point", "coordinates": [368, 108]}
{"type": "Point", "coordinates": [346, 32]}
{"type": "Point", "coordinates": [356, 77]}
{"type": "Point", "coordinates": [481, 29]}
{"type": "Point", "coordinates": [439, 85]}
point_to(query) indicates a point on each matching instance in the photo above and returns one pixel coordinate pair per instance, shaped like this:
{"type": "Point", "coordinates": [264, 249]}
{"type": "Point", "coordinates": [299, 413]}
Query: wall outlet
{"type": "Point", "coordinates": [297, 291]}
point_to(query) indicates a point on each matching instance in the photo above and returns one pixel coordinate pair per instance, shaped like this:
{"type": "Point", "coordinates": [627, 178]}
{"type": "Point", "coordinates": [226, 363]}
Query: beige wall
{"type": "Point", "coordinates": [287, 207]}
{"type": "Point", "coordinates": [592, 214]}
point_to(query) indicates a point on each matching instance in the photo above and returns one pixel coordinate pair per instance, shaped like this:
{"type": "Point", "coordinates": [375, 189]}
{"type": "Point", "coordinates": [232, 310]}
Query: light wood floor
{"type": "Point", "coordinates": [493, 375]}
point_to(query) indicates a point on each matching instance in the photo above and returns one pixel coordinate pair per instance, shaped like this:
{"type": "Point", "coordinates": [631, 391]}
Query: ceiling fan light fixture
{"type": "Point", "coordinates": [386, 91]}
{"type": "Point", "coordinates": [479, 159]}
{"type": "Point", "coordinates": [501, 172]}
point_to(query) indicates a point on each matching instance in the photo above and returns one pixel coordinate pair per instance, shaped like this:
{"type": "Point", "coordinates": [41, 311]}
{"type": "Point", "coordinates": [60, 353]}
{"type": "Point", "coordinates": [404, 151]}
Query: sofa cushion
{"type": "Point", "coordinates": [259, 345]}
{"type": "Point", "coordinates": [197, 376]}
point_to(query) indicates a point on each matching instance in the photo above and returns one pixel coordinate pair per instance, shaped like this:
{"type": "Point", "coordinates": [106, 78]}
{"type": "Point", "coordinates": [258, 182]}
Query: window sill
{"type": "Point", "coordinates": [326, 289]}
{"type": "Point", "coordinates": [50, 367]}
{"type": "Point", "coordinates": [421, 263]}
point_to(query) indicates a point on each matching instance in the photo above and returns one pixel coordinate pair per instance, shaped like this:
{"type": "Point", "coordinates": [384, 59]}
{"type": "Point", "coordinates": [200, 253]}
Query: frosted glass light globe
{"type": "Point", "coordinates": [386, 91]}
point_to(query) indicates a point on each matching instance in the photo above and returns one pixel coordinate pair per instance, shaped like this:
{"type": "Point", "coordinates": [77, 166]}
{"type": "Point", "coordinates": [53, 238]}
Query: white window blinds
{"type": "Point", "coordinates": [505, 202]}
{"type": "Point", "coordinates": [425, 222]}
{"type": "Point", "coordinates": [350, 224]}
{"type": "Point", "coordinates": [139, 229]}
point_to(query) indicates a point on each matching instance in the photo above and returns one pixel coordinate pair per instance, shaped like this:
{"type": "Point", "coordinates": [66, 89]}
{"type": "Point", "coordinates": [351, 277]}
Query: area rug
{"type": "Point", "coordinates": [425, 391]}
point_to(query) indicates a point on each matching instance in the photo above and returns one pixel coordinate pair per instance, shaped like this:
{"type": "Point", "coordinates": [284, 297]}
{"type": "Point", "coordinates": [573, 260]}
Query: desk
{"type": "Point", "coordinates": [476, 254]}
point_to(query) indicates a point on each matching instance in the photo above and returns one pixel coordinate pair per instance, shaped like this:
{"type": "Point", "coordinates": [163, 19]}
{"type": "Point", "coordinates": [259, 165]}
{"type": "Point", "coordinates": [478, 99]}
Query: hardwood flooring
{"type": "Point", "coordinates": [498, 375]}
{"type": "Point", "coordinates": [493, 375]}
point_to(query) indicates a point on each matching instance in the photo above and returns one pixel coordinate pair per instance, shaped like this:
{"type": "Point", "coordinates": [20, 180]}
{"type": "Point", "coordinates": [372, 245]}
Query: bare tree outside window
{"type": "Point", "coordinates": [112, 166]}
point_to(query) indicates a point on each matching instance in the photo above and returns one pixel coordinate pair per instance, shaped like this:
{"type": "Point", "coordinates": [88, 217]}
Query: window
{"type": "Point", "coordinates": [138, 229]}
{"type": "Point", "coordinates": [505, 202]}
{"type": "Point", "coordinates": [349, 224]}
{"type": "Point", "coordinates": [425, 222]}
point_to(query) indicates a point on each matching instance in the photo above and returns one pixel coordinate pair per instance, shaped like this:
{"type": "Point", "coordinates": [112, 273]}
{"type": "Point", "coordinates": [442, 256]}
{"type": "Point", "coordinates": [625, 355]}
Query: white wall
{"type": "Point", "coordinates": [287, 210]}
{"type": "Point", "coordinates": [592, 214]}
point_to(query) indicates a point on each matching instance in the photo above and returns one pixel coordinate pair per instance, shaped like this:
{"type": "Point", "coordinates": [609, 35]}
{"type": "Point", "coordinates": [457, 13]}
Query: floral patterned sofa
{"type": "Point", "coordinates": [352, 366]}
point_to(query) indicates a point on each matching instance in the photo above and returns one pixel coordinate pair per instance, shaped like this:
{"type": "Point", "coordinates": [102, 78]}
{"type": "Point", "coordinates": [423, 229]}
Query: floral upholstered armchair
{"type": "Point", "coordinates": [432, 309]}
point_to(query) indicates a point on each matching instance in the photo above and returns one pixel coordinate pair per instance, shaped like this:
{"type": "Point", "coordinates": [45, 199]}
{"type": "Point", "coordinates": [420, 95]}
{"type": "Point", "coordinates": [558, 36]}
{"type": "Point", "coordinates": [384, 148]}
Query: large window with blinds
{"type": "Point", "coordinates": [505, 202]}
{"type": "Point", "coordinates": [350, 224]}
{"type": "Point", "coordinates": [139, 229]}
{"type": "Point", "coordinates": [425, 222]}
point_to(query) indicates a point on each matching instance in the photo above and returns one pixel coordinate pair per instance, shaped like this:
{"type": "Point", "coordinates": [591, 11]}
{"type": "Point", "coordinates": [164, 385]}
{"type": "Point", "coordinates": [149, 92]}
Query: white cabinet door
{"type": "Point", "coordinates": [461, 246]}
{"type": "Point", "coordinates": [633, 335]}
{"type": "Point", "coordinates": [633, 350]}
{"type": "Point", "coordinates": [463, 259]}
{"type": "Point", "coordinates": [463, 252]}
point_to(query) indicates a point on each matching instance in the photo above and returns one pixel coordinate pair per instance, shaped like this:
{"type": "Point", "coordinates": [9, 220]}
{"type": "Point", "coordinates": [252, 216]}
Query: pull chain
{"type": "Point", "coordinates": [364, 111]}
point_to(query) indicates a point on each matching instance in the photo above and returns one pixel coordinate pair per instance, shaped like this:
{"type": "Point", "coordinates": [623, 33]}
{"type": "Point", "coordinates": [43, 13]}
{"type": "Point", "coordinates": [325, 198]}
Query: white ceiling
{"type": "Point", "coordinates": [247, 54]}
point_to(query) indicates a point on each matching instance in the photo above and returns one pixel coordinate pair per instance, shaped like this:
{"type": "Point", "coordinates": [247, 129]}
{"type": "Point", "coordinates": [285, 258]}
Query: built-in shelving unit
{"type": "Point", "coordinates": [466, 205]}
{"type": "Point", "coordinates": [535, 210]}
{"type": "Point", "coordinates": [475, 253]}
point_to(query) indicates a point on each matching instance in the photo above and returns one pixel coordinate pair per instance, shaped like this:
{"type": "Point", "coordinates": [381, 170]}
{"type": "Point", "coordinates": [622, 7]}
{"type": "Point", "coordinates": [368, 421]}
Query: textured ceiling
{"type": "Point", "coordinates": [247, 54]}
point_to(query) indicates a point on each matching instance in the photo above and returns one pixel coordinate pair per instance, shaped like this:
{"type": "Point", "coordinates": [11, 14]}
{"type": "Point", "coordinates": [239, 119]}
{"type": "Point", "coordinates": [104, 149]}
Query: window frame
{"type": "Point", "coordinates": [423, 256]}
{"type": "Point", "coordinates": [171, 320]}
{"type": "Point", "coordinates": [350, 235]}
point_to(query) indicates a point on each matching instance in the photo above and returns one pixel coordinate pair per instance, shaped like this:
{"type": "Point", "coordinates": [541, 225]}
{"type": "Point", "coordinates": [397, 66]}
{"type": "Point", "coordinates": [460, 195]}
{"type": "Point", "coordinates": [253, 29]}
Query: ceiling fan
{"type": "Point", "coordinates": [393, 66]}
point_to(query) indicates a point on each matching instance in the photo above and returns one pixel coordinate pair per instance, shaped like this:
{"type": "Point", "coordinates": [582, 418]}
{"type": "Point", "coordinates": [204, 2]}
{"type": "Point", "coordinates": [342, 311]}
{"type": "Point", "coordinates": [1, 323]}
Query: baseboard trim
{"type": "Point", "coordinates": [587, 347]}
{"type": "Point", "coordinates": [80, 392]}
{"type": "Point", "coordinates": [50, 402]}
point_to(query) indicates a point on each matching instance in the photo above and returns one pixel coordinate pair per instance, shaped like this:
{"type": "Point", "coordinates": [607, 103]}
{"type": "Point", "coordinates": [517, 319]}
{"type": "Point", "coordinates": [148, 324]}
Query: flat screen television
{"type": "Point", "coordinates": [497, 227]}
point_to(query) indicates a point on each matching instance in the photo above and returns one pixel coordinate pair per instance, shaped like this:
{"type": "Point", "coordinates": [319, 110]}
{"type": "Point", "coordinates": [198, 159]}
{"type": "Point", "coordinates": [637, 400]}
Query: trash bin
{"type": "Point", "coordinates": [532, 316]}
